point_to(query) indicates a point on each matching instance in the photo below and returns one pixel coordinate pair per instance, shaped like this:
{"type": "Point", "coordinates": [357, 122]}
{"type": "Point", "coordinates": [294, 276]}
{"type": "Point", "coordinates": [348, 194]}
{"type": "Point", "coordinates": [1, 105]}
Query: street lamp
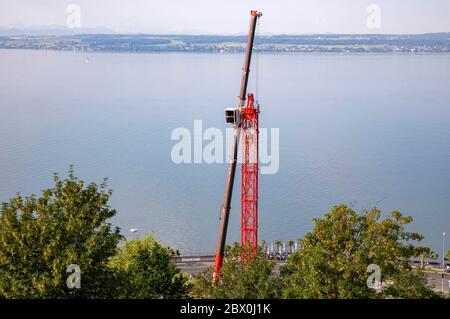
{"type": "Point", "coordinates": [443, 259]}
{"type": "Point", "coordinates": [134, 231]}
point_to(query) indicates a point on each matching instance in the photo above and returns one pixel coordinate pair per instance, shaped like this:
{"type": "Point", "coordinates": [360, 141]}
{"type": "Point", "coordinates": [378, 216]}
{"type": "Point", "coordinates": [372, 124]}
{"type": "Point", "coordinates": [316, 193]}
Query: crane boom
{"type": "Point", "coordinates": [225, 211]}
{"type": "Point", "coordinates": [248, 57]}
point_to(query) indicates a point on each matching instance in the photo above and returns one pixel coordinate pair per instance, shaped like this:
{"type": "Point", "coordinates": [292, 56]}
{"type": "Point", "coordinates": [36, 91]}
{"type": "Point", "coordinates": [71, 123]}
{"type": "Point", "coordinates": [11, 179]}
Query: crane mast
{"type": "Point", "coordinates": [242, 117]}
{"type": "Point", "coordinates": [249, 179]}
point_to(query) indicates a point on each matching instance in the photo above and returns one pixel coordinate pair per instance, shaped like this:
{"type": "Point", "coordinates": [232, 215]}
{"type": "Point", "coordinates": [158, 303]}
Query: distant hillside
{"type": "Point", "coordinates": [360, 43]}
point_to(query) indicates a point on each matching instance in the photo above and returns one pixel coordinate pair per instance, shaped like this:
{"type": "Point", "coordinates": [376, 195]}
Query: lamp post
{"type": "Point", "coordinates": [443, 259]}
{"type": "Point", "coordinates": [134, 231]}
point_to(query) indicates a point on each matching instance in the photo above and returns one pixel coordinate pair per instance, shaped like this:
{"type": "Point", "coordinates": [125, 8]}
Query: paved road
{"type": "Point", "coordinates": [435, 280]}
{"type": "Point", "coordinates": [196, 264]}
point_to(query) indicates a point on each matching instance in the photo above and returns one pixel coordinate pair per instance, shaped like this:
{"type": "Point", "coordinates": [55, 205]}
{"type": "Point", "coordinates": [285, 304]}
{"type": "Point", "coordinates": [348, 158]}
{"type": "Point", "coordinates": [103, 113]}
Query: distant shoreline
{"type": "Point", "coordinates": [87, 53]}
{"type": "Point", "coordinates": [328, 43]}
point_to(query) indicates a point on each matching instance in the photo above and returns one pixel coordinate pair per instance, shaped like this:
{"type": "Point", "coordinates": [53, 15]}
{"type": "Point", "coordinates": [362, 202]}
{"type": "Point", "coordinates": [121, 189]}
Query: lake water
{"type": "Point", "coordinates": [366, 130]}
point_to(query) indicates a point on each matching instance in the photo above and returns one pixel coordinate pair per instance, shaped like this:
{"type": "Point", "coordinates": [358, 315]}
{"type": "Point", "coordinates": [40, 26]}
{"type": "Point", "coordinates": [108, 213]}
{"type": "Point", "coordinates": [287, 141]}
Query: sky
{"type": "Point", "coordinates": [231, 16]}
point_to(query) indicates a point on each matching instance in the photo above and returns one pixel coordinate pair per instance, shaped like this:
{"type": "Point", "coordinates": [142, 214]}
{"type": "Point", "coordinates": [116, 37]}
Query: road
{"type": "Point", "coordinates": [193, 264]}
{"type": "Point", "coordinates": [435, 280]}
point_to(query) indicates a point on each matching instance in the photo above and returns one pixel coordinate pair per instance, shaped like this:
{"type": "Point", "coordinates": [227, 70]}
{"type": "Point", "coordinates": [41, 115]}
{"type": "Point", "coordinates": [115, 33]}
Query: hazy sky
{"type": "Point", "coordinates": [231, 16]}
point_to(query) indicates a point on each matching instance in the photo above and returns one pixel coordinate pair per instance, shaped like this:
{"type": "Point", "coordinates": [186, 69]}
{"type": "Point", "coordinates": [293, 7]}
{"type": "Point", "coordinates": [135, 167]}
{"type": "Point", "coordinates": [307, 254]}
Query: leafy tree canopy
{"type": "Point", "coordinates": [424, 252]}
{"type": "Point", "coordinates": [253, 279]}
{"type": "Point", "coordinates": [41, 236]}
{"type": "Point", "coordinates": [146, 270]}
{"type": "Point", "coordinates": [333, 259]}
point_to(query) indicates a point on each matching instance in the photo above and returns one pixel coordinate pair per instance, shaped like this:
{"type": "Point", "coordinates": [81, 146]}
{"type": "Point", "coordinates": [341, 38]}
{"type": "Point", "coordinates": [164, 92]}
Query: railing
{"type": "Point", "coordinates": [194, 257]}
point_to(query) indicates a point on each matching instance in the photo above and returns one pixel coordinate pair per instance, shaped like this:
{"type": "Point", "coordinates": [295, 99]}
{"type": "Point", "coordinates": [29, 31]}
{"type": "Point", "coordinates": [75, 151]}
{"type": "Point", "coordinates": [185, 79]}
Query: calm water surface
{"type": "Point", "coordinates": [364, 130]}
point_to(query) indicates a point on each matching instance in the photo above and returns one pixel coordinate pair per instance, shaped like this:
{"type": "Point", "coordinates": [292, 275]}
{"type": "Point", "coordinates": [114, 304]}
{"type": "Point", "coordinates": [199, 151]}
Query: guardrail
{"type": "Point", "coordinates": [194, 258]}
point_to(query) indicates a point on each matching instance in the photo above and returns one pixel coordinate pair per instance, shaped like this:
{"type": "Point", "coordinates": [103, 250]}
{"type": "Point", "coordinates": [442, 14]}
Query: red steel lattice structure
{"type": "Point", "coordinates": [249, 177]}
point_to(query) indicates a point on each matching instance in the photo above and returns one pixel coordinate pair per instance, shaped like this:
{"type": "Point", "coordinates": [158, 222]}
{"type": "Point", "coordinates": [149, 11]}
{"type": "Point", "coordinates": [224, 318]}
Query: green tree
{"type": "Point", "coordinates": [410, 284]}
{"type": "Point", "coordinates": [264, 246]}
{"type": "Point", "coordinates": [253, 279]}
{"type": "Point", "coordinates": [290, 244]}
{"type": "Point", "coordinates": [278, 245]}
{"type": "Point", "coordinates": [333, 259]}
{"type": "Point", "coordinates": [41, 236]}
{"type": "Point", "coordinates": [423, 253]}
{"type": "Point", "coordinates": [299, 243]}
{"type": "Point", "coordinates": [146, 270]}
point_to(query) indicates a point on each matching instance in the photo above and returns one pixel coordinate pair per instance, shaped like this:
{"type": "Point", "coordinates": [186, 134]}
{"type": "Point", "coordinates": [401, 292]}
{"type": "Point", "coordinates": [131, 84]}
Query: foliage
{"type": "Point", "coordinates": [263, 246]}
{"type": "Point", "coordinates": [252, 279]}
{"type": "Point", "coordinates": [290, 244]}
{"type": "Point", "coordinates": [68, 224]}
{"type": "Point", "coordinates": [278, 244]}
{"type": "Point", "coordinates": [410, 284]}
{"type": "Point", "coordinates": [41, 236]}
{"type": "Point", "coordinates": [333, 259]}
{"type": "Point", "coordinates": [146, 270]}
{"type": "Point", "coordinates": [424, 252]}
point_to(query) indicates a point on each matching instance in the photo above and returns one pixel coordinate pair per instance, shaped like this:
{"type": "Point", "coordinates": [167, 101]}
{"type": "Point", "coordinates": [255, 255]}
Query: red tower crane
{"type": "Point", "coordinates": [243, 117]}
